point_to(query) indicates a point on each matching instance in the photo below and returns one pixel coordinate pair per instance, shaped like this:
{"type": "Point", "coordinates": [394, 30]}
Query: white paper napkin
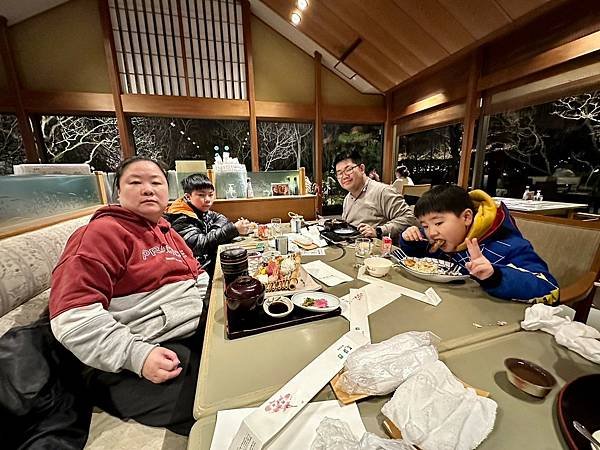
{"type": "Point", "coordinates": [434, 411]}
{"type": "Point", "coordinates": [269, 419]}
{"type": "Point", "coordinates": [576, 336]}
{"type": "Point", "coordinates": [297, 433]}
{"type": "Point", "coordinates": [359, 313]}
{"type": "Point", "coordinates": [325, 273]}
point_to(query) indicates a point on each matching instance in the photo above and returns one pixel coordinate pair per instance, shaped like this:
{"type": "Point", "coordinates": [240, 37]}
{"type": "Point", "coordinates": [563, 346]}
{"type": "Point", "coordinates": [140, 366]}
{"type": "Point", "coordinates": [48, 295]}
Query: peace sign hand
{"type": "Point", "coordinates": [479, 266]}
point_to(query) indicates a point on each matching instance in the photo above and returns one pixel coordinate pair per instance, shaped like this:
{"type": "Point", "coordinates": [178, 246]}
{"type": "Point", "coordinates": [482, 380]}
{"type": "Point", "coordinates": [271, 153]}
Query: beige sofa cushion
{"type": "Point", "coordinates": [25, 314]}
{"type": "Point", "coordinates": [27, 260]}
{"type": "Point", "coordinates": [569, 251]}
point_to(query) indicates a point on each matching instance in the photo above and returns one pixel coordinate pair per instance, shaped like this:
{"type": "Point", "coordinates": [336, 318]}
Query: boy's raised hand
{"type": "Point", "coordinates": [412, 234]}
{"type": "Point", "coordinates": [479, 266]}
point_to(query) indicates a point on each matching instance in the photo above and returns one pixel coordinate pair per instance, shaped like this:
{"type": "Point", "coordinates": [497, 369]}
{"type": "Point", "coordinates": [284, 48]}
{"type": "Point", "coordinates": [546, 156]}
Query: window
{"type": "Point", "coordinates": [553, 147]}
{"type": "Point", "coordinates": [285, 146]}
{"type": "Point", "coordinates": [11, 144]}
{"type": "Point", "coordinates": [169, 139]}
{"type": "Point", "coordinates": [432, 156]}
{"type": "Point", "coordinates": [82, 139]}
{"type": "Point", "coordinates": [367, 139]}
{"type": "Point", "coordinates": [159, 44]}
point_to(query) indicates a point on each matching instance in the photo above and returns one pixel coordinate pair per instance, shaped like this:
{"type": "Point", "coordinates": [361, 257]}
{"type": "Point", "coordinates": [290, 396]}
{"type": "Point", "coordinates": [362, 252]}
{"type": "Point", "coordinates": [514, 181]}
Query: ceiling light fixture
{"type": "Point", "coordinates": [296, 18]}
{"type": "Point", "coordinates": [302, 4]}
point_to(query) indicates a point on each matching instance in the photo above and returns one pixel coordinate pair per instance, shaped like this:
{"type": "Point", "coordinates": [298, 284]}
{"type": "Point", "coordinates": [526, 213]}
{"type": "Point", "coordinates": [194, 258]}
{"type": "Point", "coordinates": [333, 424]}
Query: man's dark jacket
{"type": "Point", "coordinates": [202, 232]}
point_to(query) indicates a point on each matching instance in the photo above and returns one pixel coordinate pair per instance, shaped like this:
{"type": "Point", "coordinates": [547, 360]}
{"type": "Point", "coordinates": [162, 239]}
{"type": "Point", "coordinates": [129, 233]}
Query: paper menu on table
{"type": "Point", "coordinates": [325, 273]}
{"type": "Point", "coordinates": [269, 419]}
{"type": "Point", "coordinates": [299, 433]}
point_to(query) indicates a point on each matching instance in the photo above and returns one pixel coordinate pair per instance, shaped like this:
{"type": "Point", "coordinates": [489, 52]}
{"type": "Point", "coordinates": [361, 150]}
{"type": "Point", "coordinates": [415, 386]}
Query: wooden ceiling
{"type": "Point", "coordinates": [400, 38]}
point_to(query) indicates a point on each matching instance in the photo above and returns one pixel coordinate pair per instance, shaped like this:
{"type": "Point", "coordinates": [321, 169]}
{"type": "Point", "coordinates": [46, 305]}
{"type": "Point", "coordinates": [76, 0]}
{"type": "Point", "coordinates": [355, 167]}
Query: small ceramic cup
{"type": "Point", "coordinates": [278, 306]}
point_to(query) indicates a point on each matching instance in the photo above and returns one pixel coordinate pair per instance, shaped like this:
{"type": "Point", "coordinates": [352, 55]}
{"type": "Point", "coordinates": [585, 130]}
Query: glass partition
{"type": "Point", "coordinates": [27, 197]}
{"type": "Point", "coordinates": [264, 184]}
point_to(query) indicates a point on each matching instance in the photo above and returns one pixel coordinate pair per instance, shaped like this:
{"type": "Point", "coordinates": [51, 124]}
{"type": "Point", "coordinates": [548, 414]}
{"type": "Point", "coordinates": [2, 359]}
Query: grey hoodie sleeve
{"type": "Point", "coordinates": [98, 340]}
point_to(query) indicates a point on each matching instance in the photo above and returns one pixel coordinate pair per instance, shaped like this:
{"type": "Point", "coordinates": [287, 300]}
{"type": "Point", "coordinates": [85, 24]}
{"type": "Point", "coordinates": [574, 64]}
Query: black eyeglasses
{"type": "Point", "coordinates": [347, 171]}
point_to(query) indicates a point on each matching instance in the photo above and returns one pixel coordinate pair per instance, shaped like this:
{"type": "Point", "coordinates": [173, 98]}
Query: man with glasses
{"type": "Point", "coordinates": [374, 208]}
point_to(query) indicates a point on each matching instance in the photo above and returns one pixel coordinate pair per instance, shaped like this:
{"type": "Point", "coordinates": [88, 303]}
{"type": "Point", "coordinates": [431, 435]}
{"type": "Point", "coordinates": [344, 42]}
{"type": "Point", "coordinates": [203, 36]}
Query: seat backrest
{"type": "Point", "coordinates": [27, 261]}
{"type": "Point", "coordinates": [569, 247]}
{"type": "Point", "coordinates": [415, 190]}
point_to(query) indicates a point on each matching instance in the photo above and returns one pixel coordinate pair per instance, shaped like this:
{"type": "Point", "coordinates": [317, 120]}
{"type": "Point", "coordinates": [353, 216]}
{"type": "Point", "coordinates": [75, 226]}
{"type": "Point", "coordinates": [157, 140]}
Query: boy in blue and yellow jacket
{"type": "Point", "coordinates": [470, 230]}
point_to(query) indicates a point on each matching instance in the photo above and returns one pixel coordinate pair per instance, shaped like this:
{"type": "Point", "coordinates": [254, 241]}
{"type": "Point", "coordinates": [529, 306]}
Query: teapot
{"type": "Point", "coordinates": [244, 294]}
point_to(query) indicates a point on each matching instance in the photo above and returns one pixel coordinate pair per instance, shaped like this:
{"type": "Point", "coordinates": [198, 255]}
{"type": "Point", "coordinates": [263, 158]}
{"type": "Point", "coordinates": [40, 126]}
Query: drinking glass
{"type": "Point", "coordinates": [362, 250]}
{"type": "Point", "coordinates": [275, 227]}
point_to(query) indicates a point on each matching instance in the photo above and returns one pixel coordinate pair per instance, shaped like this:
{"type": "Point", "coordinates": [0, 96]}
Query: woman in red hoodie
{"type": "Point", "coordinates": [126, 299]}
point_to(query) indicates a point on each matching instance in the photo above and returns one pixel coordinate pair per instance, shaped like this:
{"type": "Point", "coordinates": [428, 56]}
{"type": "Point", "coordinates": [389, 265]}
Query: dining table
{"type": "Point", "coordinates": [522, 421]}
{"type": "Point", "coordinates": [244, 372]}
{"type": "Point", "coordinates": [544, 207]}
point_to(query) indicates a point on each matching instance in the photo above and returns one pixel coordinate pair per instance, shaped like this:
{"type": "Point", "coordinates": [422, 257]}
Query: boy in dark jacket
{"type": "Point", "coordinates": [202, 230]}
{"type": "Point", "coordinates": [470, 230]}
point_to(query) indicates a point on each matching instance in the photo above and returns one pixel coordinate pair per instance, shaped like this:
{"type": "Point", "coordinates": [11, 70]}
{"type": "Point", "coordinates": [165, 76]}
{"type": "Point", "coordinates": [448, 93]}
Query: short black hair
{"type": "Point", "coordinates": [403, 171]}
{"type": "Point", "coordinates": [121, 168]}
{"type": "Point", "coordinates": [196, 182]}
{"type": "Point", "coordinates": [349, 153]}
{"type": "Point", "coordinates": [444, 198]}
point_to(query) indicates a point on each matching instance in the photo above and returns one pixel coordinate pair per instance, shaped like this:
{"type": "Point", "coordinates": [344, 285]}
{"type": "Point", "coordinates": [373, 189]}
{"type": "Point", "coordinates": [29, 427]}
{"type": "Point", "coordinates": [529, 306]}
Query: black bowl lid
{"type": "Point", "coordinates": [234, 254]}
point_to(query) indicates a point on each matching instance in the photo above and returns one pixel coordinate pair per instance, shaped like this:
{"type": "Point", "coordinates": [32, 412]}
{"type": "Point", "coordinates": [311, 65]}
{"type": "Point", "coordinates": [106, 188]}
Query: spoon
{"type": "Point", "coordinates": [583, 430]}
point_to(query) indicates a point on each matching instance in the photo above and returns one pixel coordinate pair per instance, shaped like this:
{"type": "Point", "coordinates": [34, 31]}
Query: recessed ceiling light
{"type": "Point", "coordinates": [296, 18]}
{"type": "Point", "coordinates": [302, 4]}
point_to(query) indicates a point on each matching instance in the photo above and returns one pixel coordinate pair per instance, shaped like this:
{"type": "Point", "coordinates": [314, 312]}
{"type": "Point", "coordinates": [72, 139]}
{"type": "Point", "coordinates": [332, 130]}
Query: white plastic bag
{"type": "Point", "coordinates": [378, 369]}
{"type": "Point", "coordinates": [334, 434]}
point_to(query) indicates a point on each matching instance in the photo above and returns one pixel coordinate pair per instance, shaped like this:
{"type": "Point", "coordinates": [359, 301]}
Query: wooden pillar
{"type": "Point", "coordinates": [482, 132]}
{"type": "Point", "coordinates": [246, 22]}
{"type": "Point", "coordinates": [110, 52]}
{"type": "Point", "coordinates": [318, 134]}
{"type": "Point", "coordinates": [388, 142]}
{"type": "Point", "coordinates": [15, 86]}
{"type": "Point", "coordinates": [471, 114]}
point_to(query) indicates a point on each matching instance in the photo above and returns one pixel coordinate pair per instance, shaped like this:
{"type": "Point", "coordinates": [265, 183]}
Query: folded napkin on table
{"type": "Point", "coordinates": [576, 336]}
{"type": "Point", "coordinates": [434, 411]}
{"type": "Point", "coordinates": [378, 369]}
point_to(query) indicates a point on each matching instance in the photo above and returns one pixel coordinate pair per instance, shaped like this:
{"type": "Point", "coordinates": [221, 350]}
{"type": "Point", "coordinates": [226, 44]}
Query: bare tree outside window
{"type": "Point", "coordinates": [432, 156]}
{"type": "Point", "coordinates": [285, 146]}
{"type": "Point", "coordinates": [11, 144]}
{"type": "Point", "coordinates": [553, 147]}
{"type": "Point", "coordinates": [170, 139]}
{"type": "Point", "coordinates": [82, 139]}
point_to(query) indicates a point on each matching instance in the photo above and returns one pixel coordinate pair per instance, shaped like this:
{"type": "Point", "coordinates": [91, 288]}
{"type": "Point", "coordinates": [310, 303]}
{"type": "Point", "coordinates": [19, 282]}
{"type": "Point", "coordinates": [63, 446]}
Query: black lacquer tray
{"type": "Point", "coordinates": [255, 322]}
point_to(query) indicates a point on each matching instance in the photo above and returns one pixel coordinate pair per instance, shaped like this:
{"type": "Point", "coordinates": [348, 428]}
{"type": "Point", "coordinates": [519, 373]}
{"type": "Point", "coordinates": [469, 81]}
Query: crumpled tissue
{"type": "Point", "coordinates": [378, 369]}
{"type": "Point", "coordinates": [576, 336]}
{"type": "Point", "coordinates": [434, 411]}
{"type": "Point", "coordinates": [334, 434]}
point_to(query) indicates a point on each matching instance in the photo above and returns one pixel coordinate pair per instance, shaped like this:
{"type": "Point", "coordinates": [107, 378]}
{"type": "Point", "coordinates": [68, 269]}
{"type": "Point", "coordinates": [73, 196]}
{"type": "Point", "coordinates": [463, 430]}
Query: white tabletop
{"type": "Point", "coordinates": [517, 204]}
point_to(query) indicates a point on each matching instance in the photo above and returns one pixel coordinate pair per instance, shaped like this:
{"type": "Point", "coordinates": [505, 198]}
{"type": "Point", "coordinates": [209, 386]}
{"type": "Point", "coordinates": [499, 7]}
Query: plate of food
{"type": "Point", "coordinates": [344, 231]}
{"type": "Point", "coordinates": [316, 301]}
{"type": "Point", "coordinates": [432, 269]}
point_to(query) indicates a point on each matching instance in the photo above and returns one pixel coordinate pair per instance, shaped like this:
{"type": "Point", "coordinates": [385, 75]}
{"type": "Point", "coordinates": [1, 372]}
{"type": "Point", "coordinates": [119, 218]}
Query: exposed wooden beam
{"type": "Point", "coordinates": [388, 142]}
{"type": "Point", "coordinates": [110, 52]}
{"type": "Point", "coordinates": [558, 55]}
{"type": "Point", "coordinates": [285, 111]}
{"type": "Point", "coordinates": [353, 114]}
{"type": "Point", "coordinates": [247, 26]}
{"type": "Point", "coordinates": [471, 114]}
{"type": "Point", "coordinates": [178, 106]}
{"type": "Point", "coordinates": [67, 102]}
{"type": "Point", "coordinates": [318, 134]}
{"type": "Point", "coordinates": [431, 119]}
{"type": "Point", "coordinates": [15, 86]}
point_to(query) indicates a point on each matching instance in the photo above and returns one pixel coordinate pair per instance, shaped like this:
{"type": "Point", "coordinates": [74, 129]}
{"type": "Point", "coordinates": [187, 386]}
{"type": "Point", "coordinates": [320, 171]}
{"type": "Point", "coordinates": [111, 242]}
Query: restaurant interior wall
{"type": "Point", "coordinates": [61, 49]}
{"type": "Point", "coordinates": [4, 89]}
{"type": "Point", "coordinates": [336, 91]}
{"type": "Point", "coordinates": [282, 72]}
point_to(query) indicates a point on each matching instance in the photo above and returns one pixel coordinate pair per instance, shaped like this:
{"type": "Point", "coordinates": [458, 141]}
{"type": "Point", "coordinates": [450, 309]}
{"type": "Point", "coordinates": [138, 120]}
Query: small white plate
{"type": "Point", "coordinates": [332, 301]}
{"type": "Point", "coordinates": [344, 231]}
{"type": "Point", "coordinates": [595, 435]}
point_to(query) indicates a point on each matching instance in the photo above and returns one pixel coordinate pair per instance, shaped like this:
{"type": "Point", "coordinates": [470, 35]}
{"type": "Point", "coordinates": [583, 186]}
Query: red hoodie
{"type": "Point", "coordinates": [121, 286]}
